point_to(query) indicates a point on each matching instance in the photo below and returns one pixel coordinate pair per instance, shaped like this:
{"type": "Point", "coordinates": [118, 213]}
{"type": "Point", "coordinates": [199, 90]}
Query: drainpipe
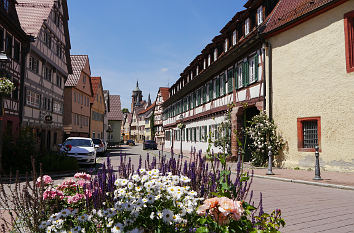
{"type": "Point", "coordinates": [26, 50]}
{"type": "Point", "coordinates": [264, 78]}
{"type": "Point", "coordinates": [270, 83]}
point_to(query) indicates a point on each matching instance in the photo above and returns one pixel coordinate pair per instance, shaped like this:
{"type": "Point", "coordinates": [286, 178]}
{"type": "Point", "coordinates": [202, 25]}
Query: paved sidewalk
{"type": "Point", "coordinates": [343, 180]}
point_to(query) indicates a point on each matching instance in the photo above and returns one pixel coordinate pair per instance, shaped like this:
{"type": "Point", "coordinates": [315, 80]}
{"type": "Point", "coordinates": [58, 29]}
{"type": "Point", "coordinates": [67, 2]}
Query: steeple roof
{"type": "Point", "coordinates": [137, 89]}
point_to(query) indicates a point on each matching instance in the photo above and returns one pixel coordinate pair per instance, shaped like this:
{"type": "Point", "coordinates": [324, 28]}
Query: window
{"type": "Point", "coordinates": [247, 26]}
{"type": "Point", "coordinates": [239, 76]}
{"type": "Point", "coordinates": [59, 80]}
{"type": "Point", "coordinates": [34, 64]}
{"type": "Point", "coordinates": [230, 74]}
{"type": "Point", "coordinates": [309, 133]}
{"type": "Point", "coordinates": [57, 107]}
{"type": "Point", "coordinates": [8, 45]}
{"type": "Point", "coordinates": [17, 51]}
{"type": "Point", "coordinates": [215, 54]}
{"type": "Point", "coordinates": [252, 68]}
{"type": "Point", "coordinates": [234, 38]}
{"type": "Point", "coordinates": [209, 60]}
{"type": "Point", "coordinates": [74, 96]}
{"type": "Point", "coordinates": [47, 73]}
{"type": "Point", "coordinates": [6, 5]}
{"type": "Point", "coordinates": [47, 39]}
{"type": "Point", "coordinates": [259, 15]}
{"type": "Point", "coordinates": [84, 79]}
{"type": "Point", "coordinates": [226, 45]}
{"type": "Point", "coordinates": [59, 50]}
{"type": "Point", "coordinates": [32, 98]}
{"type": "Point", "coordinates": [1, 39]}
{"type": "Point", "coordinates": [57, 18]}
{"type": "Point", "coordinates": [349, 40]}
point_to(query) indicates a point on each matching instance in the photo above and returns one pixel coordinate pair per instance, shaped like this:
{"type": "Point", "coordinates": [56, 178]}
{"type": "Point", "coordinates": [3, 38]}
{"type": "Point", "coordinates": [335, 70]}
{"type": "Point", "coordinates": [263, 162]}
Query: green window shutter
{"type": "Point", "coordinates": [256, 67]}
{"type": "Point", "coordinates": [199, 94]}
{"type": "Point", "coordinates": [243, 74]}
{"type": "Point", "coordinates": [210, 91]}
{"type": "Point", "coordinates": [189, 103]}
{"type": "Point", "coordinates": [217, 88]}
{"type": "Point", "coordinates": [247, 73]}
{"type": "Point", "coordinates": [229, 81]}
{"type": "Point", "coordinates": [194, 99]}
{"type": "Point", "coordinates": [235, 77]}
{"type": "Point", "coordinates": [224, 83]}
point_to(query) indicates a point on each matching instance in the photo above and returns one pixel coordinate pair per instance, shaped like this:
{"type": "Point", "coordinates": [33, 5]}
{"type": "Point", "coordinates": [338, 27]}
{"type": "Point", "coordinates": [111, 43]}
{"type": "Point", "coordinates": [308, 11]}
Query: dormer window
{"type": "Point", "coordinates": [234, 38]}
{"type": "Point", "coordinates": [215, 54]}
{"type": "Point", "coordinates": [197, 70]}
{"type": "Point", "coordinates": [260, 15]}
{"type": "Point", "coordinates": [204, 64]}
{"type": "Point", "coordinates": [247, 26]}
{"type": "Point", "coordinates": [191, 74]}
{"type": "Point", "coordinates": [209, 60]}
{"type": "Point", "coordinates": [226, 45]}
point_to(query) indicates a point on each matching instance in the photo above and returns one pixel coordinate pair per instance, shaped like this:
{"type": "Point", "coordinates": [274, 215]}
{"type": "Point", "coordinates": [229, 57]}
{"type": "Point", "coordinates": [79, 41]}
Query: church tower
{"type": "Point", "coordinates": [137, 96]}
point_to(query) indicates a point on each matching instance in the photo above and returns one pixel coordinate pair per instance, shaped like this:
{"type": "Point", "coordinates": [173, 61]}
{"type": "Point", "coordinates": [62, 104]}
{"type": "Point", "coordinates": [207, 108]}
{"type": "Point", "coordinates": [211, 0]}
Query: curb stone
{"type": "Point", "coordinates": [306, 182]}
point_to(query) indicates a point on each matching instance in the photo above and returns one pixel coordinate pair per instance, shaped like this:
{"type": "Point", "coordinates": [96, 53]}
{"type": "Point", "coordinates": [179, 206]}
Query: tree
{"type": "Point", "coordinates": [125, 110]}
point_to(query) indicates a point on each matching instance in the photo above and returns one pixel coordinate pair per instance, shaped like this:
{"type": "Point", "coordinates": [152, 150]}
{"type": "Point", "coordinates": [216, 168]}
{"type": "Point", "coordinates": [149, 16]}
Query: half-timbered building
{"type": "Point", "coordinates": [162, 96]}
{"type": "Point", "coordinates": [15, 43]}
{"type": "Point", "coordinates": [48, 66]}
{"type": "Point", "coordinates": [230, 70]}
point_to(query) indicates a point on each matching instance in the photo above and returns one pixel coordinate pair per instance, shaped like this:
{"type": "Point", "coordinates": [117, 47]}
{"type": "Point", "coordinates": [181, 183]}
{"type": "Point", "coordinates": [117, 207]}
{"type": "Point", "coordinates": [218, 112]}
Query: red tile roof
{"type": "Point", "coordinates": [32, 13]}
{"type": "Point", "coordinates": [289, 11]}
{"type": "Point", "coordinates": [96, 83]}
{"type": "Point", "coordinates": [115, 113]}
{"type": "Point", "coordinates": [165, 93]}
{"type": "Point", "coordinates": [78, 63]}
{"type": "Point", "coordinates": [148, 108]}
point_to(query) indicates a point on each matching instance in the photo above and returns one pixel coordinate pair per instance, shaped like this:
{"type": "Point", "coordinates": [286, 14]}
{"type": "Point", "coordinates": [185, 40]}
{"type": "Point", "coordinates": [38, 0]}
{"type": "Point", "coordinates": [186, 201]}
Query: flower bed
{"type": "Point", "coordinates": [162, 198]}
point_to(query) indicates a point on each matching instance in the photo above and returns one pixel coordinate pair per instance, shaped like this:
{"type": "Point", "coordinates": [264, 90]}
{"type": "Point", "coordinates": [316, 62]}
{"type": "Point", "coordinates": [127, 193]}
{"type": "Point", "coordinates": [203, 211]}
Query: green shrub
{"type": "Point", "coordinates": [53, 162]}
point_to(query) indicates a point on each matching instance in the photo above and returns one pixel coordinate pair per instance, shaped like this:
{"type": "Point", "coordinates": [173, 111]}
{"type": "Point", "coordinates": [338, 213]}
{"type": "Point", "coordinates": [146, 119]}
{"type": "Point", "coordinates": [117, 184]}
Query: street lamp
{"type": "Point", "coordinates": [4, 60]}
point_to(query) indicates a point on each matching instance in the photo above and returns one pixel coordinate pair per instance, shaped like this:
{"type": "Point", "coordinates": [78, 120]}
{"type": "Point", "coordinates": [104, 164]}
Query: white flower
{"type": "Point", "coordinates": [82, 218]}
{"type": "Point", "coordinates": [136, 178]}
{"type": "Point", "coordinates": [193, 193]}
{"type": "Point", "coordinates": [159, 215]}
{"type": "Point", "coordinates": [185, 179]}
{"type": "Point", "coordinates": [118, 228]}
{"type": "Point", "coordinates": [155, 171]}
{"type": "Point", "coordinates": [142, 171]}
{"type": "Point", "coordinates": [144, 178]}
{"type": "Point", "coordinates": [167, 216]}
{"type": "Point", "coordinates": [138, 188]}
{"type": "Point", "coordinates": [130, 185]}
{"type": "Point", "coordinates": [65, 213]}
{"type": "Point", "coordinates": [152, 215]}
{"type": "Point", "coordinates": [177, 218]}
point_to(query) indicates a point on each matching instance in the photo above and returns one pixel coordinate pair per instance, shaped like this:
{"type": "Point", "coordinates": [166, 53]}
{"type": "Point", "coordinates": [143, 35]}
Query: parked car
{"type": "Point", "coordinates": [101, 147]}
{"type": "Point", "coordinates": [130, 142]}
{"type": "Point", "coordinates": [150, 144]}
{"type": "Point", "coordinates": [83, 149]}
{"type": "Point", "coordinates": [105, 145]}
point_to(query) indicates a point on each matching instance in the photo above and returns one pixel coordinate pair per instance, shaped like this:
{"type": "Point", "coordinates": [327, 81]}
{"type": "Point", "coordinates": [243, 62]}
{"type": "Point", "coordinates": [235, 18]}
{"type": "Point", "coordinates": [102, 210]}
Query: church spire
{"type": "Point", "coordinates": [149, 100]}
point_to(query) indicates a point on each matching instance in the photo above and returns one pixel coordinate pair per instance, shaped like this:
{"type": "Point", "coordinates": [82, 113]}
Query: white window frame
{"type": "Point", "coordinates": [239, 76]}
{"type": "Point", "coordinates": [209, 60]}
{"type": "Point", "coordinates": [252, 68]}
{"type": "Point", "coordinates": [247, 26]}
{"type": "Point", "coordinates": [33, 98]}
{"type": "Point", "coordinates": [260, 15]}
{"type": "Point", "coordinates": [215, 54]}
{"type": "Point", "coordinates": [226, 45]}
{"type": "Point", "coordinates": [234, 38]}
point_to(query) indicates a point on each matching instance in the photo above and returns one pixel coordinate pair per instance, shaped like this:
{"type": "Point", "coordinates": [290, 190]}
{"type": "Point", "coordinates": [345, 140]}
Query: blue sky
{"type": "Point", "coordinates": [151, 41]}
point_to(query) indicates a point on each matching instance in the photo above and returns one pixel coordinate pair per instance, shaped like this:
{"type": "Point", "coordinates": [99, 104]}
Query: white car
{"type": "Point", "coordinates": [101, 147]}
{"type": "Point", "coordinates": [83, 149]}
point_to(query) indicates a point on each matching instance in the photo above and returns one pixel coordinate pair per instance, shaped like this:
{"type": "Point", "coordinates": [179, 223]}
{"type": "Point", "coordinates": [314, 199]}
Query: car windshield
{"type": "Point", "coordinates": [78, 142]}
{"type": "Point", "coordinates": [96, 141]}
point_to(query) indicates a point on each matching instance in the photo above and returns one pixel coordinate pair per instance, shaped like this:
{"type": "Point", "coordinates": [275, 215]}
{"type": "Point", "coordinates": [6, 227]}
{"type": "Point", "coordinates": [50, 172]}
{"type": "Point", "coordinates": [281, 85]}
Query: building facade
{"type": "Point", "coordinates": [162, 96]}
{"type": "Point", "coordinates": [310, 82]}
{"type": "Point", "coordinates": [229, 72]}
{"type": "Point", "coordinates": [98, 109]}
{"type": "Point", "coordinates": [105, 117]}
{"type": "Point", "coordinates": [126, 126]}
{"type": "Point", "coordinates": [48, 65]}
{"type": "Point", "coordinates": [77, 94]}
{"type": "Point", "coordinates": [147, 117]}
{"type": "Point", "coordinates": [15, 43]}
{"type": "Point", "coordinates": [115, 118]}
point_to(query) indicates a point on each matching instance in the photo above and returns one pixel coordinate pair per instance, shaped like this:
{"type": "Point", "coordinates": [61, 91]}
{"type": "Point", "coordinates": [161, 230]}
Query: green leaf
{"type": "Point", "coordinates": [202, 230]}
{"type": "Point", "coordinates": [202, 221]}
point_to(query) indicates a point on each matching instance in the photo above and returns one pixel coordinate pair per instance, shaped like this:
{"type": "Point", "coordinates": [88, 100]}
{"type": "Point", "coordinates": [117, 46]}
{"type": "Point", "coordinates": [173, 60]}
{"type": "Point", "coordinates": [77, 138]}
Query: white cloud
{"type": "Point", "coordinates": [164, 69]}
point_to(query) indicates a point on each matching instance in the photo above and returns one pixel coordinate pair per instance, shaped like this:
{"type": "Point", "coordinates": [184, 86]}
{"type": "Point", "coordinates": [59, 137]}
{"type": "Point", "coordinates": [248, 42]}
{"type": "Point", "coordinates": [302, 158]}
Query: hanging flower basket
{"type": "Point", "coordinates": [6, 86]}
{"type": "Point", "coordinates": [180, 126]}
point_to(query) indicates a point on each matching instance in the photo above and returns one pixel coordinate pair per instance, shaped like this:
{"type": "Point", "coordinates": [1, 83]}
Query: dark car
{"type": "Point", "coordinates": [101, 146]}
{"type": "Point", "coordinates": [131, 142]}
{"type": "Point", "coordinates": [150, 144]}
